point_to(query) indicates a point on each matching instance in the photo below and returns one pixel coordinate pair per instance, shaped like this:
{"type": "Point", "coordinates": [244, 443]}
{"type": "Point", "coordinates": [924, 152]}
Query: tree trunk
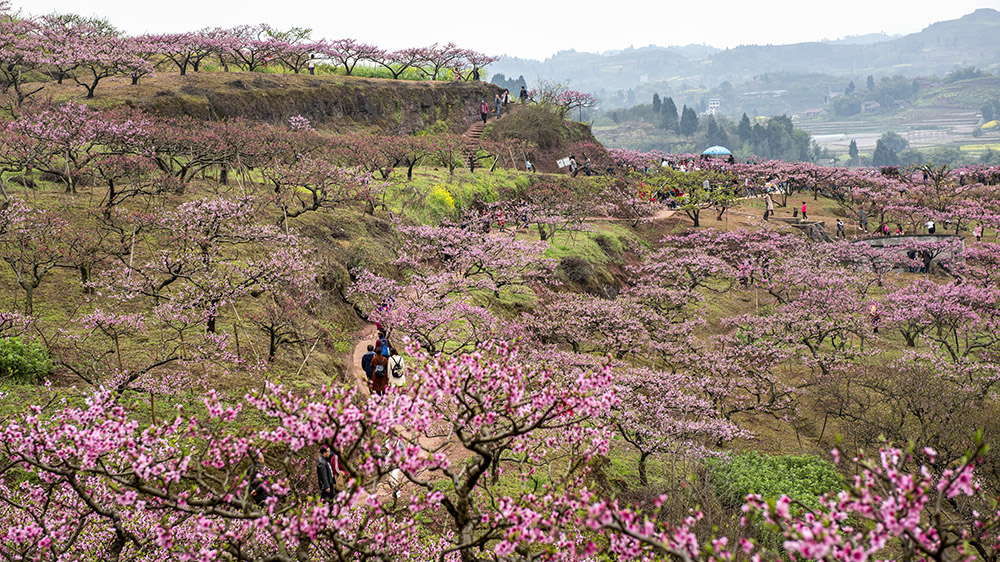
{"type": "Point", "coordinates": [643, 478]}
{"type": "Point", "coordinates": [29, 293]}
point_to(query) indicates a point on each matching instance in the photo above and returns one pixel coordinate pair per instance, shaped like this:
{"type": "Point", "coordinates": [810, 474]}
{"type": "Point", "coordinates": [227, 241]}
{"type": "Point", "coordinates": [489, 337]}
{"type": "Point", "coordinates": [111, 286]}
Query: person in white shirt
{"type": "Point", "coordinates": [397, 371]}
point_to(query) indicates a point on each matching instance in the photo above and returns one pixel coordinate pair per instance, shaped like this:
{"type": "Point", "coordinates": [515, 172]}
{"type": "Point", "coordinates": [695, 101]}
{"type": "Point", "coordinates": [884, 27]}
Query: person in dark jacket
{"type": "Point", "coordinates": [366, 362]}
{"type": "Point", "coordinates": [324, 474]}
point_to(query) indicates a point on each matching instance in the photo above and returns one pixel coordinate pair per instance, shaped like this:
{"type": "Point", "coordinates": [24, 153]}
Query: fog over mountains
{"type": "Point", "coordinates": [973, 40]}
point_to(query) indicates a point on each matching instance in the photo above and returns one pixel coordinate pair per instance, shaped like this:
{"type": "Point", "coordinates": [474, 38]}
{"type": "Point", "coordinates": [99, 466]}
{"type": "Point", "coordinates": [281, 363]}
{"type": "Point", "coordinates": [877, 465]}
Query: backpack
{"type": "Point", "coordinates": [380, 370]}
{"type": "Point", "coordinates": [397, 370]}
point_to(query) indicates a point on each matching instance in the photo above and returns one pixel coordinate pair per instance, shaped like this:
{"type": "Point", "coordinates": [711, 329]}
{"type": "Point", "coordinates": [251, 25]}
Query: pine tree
{"type": "Point", "coordinates": [689, 122]}
{"type": "Point", "coordinates": [669, 112]}
{"type": "Point", "coordinates": [852, 151]}
{"type": "Point", "coordinates": [871, 83]}
{"type": "Point", "coordinates": [656, 103]}
{"type": "Point", "coordinates": [745, 129]}
{"type": "Point", "coordinates": [884, 155]}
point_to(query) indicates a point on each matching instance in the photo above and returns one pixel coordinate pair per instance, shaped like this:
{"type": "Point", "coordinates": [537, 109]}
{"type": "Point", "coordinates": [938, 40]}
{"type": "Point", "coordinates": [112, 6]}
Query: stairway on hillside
{"type": "Point", "coordinates": [475, 132]}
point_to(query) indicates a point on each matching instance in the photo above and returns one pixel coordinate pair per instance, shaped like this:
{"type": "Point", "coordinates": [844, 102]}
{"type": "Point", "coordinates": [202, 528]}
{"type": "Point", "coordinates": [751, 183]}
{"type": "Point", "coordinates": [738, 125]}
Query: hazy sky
{"type": "Point", "coordinates": [533, 29]}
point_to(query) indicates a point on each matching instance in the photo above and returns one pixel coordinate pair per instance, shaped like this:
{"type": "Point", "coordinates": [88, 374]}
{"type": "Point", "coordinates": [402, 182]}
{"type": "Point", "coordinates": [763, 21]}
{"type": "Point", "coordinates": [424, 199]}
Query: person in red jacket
{"type": "Point", "coordinates": [380, 373]}
{"type": "Point", "coordinates": [484, 110]}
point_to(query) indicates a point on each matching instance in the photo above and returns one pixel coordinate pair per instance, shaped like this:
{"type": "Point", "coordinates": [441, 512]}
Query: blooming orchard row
{"type": "Point", "coordinates": [89, 50]}
{"type": "Point", "coordinates": [497, 448]}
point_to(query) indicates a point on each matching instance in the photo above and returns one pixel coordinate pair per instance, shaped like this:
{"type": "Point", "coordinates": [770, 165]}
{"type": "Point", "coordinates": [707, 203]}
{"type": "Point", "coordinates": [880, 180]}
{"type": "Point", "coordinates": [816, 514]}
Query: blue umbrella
{"type": "Point", "coordinates": [717, 151]}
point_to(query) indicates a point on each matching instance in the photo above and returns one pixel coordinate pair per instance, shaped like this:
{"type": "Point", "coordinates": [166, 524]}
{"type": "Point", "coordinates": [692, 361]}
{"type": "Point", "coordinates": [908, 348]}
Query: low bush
{"type": "Point", "coordinates": [22, 362]}
{"type": "Point", "coordinates": [802, 478]}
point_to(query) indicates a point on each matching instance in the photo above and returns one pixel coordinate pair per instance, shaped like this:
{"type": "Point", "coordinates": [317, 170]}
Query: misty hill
{"type": "Point", "coordinates": [973, 40]}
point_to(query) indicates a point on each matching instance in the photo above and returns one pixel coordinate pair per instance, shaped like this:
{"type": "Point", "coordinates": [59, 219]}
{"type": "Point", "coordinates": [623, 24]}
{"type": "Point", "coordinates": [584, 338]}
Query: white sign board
{"type": "Point", "coordinates": [563, 163]}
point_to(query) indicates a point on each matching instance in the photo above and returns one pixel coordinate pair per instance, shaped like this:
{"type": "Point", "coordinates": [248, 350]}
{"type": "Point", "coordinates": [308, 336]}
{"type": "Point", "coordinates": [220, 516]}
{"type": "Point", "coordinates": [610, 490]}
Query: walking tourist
{"type": "Point", "coordinates": [397, 376]}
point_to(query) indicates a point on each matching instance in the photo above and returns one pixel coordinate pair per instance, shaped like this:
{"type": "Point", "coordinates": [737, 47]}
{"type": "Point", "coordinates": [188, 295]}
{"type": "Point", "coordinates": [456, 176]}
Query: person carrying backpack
{"type": "Point", "coordinates": [382, 345]}
{"type": "Point", "coordinates": [397, 376]}
{"type": "Point", "coordinates": [380, 373]}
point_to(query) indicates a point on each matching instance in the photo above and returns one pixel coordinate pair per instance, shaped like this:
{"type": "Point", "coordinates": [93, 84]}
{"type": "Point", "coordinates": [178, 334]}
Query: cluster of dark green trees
{"type": "Point", "coordinates": [774, 137]}
{"type": "Point", "coordinates": [886, 92]}
{"type": "Point", "coordinates": [510, 84]}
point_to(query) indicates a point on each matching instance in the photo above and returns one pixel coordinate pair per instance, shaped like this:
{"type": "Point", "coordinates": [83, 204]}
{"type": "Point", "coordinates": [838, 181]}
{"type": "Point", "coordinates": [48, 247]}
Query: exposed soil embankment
{"type": "Point", "coordinates": [334, 103]}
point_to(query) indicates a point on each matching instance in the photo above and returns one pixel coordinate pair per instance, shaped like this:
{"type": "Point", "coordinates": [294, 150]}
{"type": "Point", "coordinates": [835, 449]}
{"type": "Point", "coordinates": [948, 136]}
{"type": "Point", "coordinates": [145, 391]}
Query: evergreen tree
{"type": "Point", "coordinates": [630, 97]}
{"type": "Point", "coordinates": [884, 155]}
{"type": "Point", "coordinates": [870, 83]}
{"type": "Point", "coordinates": [895, 142]}
{"type": "Point", "coordinates": [689, 121]}
{"type": "Point", "coordinates": [716, 135]}
{"type": "Point", "coordinates": [745, 129]}
{"type": "Point", "coordinates": [850, 88]}
{"type": "Point", "coordinates": [669, 112]}
{"type": "Point", "coordinates": [656, 103]}
{"type": "Point", "coordinates": [852, 151]}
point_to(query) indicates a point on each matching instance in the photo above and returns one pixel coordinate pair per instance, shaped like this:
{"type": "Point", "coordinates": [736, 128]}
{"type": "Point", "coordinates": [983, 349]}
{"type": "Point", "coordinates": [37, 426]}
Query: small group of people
{"type": "Point", "coordinates": [383, 366]}
{"type": "Point", "coordinates": [500, 102]}
{"type": "Point", "coordinates": [329, 469]}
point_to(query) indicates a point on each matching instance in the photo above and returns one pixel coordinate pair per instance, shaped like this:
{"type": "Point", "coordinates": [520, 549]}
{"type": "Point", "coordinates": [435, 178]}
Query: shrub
{"type": "Point", "coordinates": [23, 362]}
{"type": "Point", "coordinates": [537, 124]}
{"type": "Point", "coordinates": [441, 203]}
{"type": "Point", "coordinates": [803, 479]}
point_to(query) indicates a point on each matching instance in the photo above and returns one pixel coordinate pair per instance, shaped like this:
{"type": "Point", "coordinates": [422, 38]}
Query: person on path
{"type": "Point", "coordinates": [528, 167]}
{"type": "Point", "coordinates": [930, 226]}
{"type": "Point", "coordinates": [340, 473]}
{"type": "Point", "coordinates": [840, 229]}
{"type": "Point", "coordinates": [506, 98]}
{"type": "Point", "coordinates": [876, 318]}
{"type": "Point", "coordinates": [312, 65]}
{"type": "Point", "coordinates": [587, 171]}
{"type": "Point", "coordinates": [863, 220]}
{"type": "Point", "coordinates": [380, 374]}
{"type": "Point", "coordinates": [497, 102]}
{"type": "Point", "coordinates": [397, 374]}
{"type": "Point", "coordinates": [769, 205]}
{"type": "Point", "coordinates": [572, 165]}
{"type": "Point", "coordinates": [382, 344]}
{"type": "Point", "coordinates": [804, 216]}
{"type": "Point", "coordinates": [978, 232]}
{"type": "Point", "coordinates": [324, 474]}
{"type": "Point", "coordinates": [523, 95]}
{"type": "Point", "coordinates": [366, 362]}
{"type": "Point", "coordinates": [484, 110]}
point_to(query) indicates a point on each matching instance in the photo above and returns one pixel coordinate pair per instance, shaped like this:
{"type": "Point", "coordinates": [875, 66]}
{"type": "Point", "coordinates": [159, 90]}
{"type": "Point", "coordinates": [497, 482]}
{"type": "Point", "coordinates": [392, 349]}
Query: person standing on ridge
{"type": "Point", "coordinates": [523, 95]}
{"type": "Point", "coordinates": [484, 110]}
{"type": "Point", "coordinates": [804, 217]}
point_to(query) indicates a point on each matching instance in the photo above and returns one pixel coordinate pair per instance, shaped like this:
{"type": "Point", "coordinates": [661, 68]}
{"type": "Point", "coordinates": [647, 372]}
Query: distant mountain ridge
{"type": "Point", "coordinates": [972, 40]}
